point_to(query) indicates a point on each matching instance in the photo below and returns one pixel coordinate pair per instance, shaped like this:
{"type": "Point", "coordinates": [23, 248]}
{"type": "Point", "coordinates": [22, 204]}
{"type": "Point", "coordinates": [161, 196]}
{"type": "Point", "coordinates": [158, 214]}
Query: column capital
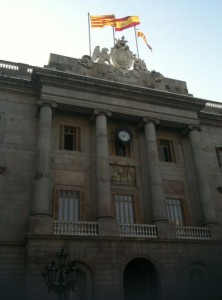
{"type": "Point", "coordinates": [191, 127]}
{"type": "Point", "coordinates": [47, 103]}
{"type": "Point", "coordinates": [98, 112]}
{"type": "Point", "coordinates": [146, 120]}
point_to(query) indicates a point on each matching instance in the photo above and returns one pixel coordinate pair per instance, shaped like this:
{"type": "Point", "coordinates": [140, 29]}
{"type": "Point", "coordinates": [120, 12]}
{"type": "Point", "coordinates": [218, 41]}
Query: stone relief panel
{"type": "Point", "coordinates": [123, 175]}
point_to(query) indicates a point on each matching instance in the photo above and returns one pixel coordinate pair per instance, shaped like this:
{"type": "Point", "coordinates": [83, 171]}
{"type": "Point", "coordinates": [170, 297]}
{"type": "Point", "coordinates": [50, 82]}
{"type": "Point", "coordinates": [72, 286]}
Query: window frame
{"type": "Point", "coordinates": [171, 150]}
{"type": "Point", "coordinates": [182, 211]}
{"type": "Point", "coordinates": [114, 143]}
{"type": "Point", "coordinates": [56, 205]}
{"type": "Point", "coordinates": [76, 137]}
{"type": "Point", "coordinates": [133, 206]}
{"type": "Point", "coordinates": [218, 150]}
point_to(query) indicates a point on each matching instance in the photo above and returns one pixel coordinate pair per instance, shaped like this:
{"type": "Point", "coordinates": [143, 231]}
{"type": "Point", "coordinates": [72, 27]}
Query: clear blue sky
{"type": "Point", "coordinates": [186, 35]}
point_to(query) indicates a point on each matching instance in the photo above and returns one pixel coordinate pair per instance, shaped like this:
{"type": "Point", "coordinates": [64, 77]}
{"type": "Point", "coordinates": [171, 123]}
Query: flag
{"type": "Point", "coordinates": [126, 22]}
{"type": "Point", "coordinates": [140, 34]}
{"type": "Point", "coordinates": [101, 21]}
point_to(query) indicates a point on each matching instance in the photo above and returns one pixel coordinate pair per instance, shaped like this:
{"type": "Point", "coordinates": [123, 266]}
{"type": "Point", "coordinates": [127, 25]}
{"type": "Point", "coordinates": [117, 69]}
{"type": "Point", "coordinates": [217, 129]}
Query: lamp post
{"type": "Point", "coordinates": [61, 278]}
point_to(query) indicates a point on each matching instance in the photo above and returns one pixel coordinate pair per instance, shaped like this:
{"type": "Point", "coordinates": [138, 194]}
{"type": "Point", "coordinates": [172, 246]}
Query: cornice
{"type": "Point", "coordinates": [16, 84]}
{"type": "Point", "coordinates": [210, 118]}
{"type": "Point", "coordinates": [113, 89]}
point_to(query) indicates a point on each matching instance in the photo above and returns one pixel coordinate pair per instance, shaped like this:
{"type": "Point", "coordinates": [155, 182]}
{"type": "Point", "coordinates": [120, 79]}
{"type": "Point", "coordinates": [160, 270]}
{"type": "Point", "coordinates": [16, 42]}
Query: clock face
{"type": "Point", "coordinates": [124, 136]}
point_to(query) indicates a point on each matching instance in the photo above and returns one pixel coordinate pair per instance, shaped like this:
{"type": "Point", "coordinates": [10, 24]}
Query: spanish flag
{"type": "Point", "coordinates": [126, 22]}
{"type": "Point", "coordinates": [102, 21]}
{"type": "Point", "coordinates": [140, 34]}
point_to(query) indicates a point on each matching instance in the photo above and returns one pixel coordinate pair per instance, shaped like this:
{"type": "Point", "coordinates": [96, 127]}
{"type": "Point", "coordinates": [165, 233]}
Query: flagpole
{"type": "Point", "coordinates": [90, 52]}
{"type": "Point", "coordinates": [113, 36]}
{"type": "Point", "coordinates": [136, 42]}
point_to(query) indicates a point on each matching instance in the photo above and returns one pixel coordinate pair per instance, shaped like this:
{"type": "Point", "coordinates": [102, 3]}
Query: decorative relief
{"type": "Point", "coordinates": [122, 60]}
{"type": "Point", "coordinates": [123, 175]}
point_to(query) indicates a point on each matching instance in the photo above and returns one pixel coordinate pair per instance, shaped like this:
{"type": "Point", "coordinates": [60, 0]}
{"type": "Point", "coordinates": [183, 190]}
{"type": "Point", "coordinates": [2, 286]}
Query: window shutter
{"type": "Point", "coordinates": [78, 139]}
{"type": "Point", "coordinates": [56, 204]}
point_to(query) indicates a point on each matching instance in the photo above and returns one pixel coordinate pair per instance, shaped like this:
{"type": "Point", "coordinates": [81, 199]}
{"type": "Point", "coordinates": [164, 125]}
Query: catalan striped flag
{"type": "Point", "coordinates": [102, 21]}
{"type": "Point", "coordinates": [126, 22]}
{"type": "Point", "coordinates": [140, 34]}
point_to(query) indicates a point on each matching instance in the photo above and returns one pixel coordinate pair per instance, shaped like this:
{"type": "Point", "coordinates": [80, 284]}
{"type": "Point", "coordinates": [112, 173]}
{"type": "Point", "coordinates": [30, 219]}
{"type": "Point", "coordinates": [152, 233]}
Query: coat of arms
{"type": "Point", "coordinates": [121, 56]}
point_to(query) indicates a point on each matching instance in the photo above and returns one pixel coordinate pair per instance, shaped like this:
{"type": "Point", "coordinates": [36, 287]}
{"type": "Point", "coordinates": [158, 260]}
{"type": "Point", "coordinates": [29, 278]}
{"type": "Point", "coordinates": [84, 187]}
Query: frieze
{"type": "Point", "coordinates": [123, 175]}
{"type": "Point", "coordinates": [169, 100]}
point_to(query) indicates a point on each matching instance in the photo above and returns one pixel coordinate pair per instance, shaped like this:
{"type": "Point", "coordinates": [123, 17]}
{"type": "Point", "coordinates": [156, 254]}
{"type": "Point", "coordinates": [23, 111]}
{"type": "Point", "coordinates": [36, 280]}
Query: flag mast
{"type": "Point", "coordinates": [90, 52]}
{"type": "Point", "coordinates": [136, 42]}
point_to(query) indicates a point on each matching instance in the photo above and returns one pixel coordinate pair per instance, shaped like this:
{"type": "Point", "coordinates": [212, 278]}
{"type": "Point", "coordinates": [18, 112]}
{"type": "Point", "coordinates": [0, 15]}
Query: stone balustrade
{"type": "Point", "coordinates": [76, 228]}
{"type": "Point", "coordinates": [12, 69]}
{"type": "Point", "coordinates": [129, 230]}
{"type": "Point", "coordinates": [137, 230]}
{"type": "Point", "coordinates": [196, 233]}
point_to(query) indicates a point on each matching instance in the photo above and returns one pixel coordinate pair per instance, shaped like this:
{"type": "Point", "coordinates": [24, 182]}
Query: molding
{"type": "Point", "coordinates": [114, 89]}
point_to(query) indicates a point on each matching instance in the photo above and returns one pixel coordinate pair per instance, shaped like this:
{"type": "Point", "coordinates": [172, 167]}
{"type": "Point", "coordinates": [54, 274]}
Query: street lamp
{"type": "Point", "coordinates": [61, 278]}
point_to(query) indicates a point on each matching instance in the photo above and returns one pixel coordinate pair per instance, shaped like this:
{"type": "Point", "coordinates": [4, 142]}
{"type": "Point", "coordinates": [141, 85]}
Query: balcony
{"type": "Point", "coordinates": [129, 230]}
{"type": "Point", "coordinates": [195, 233]}
{"type": "Point", "coordinates": [78, 228]}
{"type": "Point", "coordinates": [137, 230]}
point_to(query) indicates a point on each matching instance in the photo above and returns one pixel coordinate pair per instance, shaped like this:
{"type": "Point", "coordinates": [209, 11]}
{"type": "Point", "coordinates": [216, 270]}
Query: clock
{"type": "Point", "coordinates": [123, 135]}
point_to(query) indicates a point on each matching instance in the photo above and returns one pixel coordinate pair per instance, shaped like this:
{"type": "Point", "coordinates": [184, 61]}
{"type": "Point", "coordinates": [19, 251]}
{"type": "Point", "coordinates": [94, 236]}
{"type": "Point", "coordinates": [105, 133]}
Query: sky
{"type": "Point", "coordinates": [186, 35]}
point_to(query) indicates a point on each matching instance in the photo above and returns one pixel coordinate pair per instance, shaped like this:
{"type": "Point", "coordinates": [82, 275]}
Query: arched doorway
{"type": "Point", "coordinates": [140, 280]}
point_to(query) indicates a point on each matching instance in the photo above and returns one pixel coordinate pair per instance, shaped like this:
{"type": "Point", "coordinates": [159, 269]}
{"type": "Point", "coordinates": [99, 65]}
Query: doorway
{"type": "Point", "coordinates": [140, 280]}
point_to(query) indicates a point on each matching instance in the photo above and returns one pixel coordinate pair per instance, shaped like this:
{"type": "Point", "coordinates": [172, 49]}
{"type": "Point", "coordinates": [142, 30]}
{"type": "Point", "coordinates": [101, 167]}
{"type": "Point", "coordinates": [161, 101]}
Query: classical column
{"type": "Point", "coordinates": [42, 186]}
{"type": "Point", "coordinates": [207, 204]}
{"type": "Point", "coordinates": [103, 189]}
{"type": "Point", "coordinates": [158, 202]}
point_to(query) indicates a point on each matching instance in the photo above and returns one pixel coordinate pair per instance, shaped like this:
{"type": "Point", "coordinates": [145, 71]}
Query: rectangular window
{"type": "Point", "coordinates": [70, 138]}
{"type": "Point", "coordinates": [122, 149]}
{"type": "Point", "coordinates": [219, 155]}
{"type": "Point", "coordinates": [175, 211]}
{"type": "Point", "coordinates": [166, 150]}
{"type": "Point", "coordinates": [67, 205]}
{"type": "Point", "coordinates": [124, 209]}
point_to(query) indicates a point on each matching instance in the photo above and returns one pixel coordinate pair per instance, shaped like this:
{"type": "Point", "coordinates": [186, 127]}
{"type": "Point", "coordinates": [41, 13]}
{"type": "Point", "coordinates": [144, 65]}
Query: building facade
{"type": "Point", "coordinates": [119, 166]}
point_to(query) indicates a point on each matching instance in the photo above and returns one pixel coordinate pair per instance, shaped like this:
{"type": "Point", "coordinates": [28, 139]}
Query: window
{"type": "Point", "coordinates": [175, 211]}
{"type": "Point", "coordinates": [166, 150]}
{"type": "Point", "coordinates": [219, 155]}
{"type": "Point", "coordinates": [124, 209]}
{"type": "Point", "coordinates": [70, 138]}
{"type": "Point", "coordinates": [67, 205]}
{"type": "Point", "coordinates": [122, 149]}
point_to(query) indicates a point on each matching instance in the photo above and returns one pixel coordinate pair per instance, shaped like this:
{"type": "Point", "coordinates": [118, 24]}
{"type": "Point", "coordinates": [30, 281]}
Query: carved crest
{"type": "Point", "coordinates": [121, 56]}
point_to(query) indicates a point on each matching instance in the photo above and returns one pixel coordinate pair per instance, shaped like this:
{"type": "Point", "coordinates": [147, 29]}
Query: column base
{"type": "Point", "coordinates": [166, 230]}
{"type": "Point", "coordinates": [41, 224]}
{"type": "Point", "coordinates": [215, 231]}
{"type": "Point", "coordinates": [107, 226]}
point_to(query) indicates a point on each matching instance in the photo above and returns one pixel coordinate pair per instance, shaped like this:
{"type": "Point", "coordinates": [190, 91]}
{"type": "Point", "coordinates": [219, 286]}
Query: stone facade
{"type": "Point", "coordinates": [143, 217]}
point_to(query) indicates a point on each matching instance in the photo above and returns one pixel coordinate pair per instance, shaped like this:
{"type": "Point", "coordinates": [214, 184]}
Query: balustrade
{"type": "Point", "coordinates": [197, 233]}
{"type": "Point", "coordinates": [137, 230]}
{"type": "Point", "coordinates": [77, 228]}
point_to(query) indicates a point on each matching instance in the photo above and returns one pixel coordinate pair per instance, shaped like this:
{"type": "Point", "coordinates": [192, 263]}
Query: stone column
{"type": "Point", "coordinates": [41, 208]}
{"type": "Point", "coordinates": [208, 209]}
{"type": "Point", "coordinates": [107, 225]}
{"type": "Point", "coordinates": [158, 202]}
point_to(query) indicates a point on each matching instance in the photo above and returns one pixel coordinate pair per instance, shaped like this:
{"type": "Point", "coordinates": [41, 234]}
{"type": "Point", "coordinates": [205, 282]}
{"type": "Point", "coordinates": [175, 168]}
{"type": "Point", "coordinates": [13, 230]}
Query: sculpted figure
{"type": "Point", "coordinates": [157, 77]}
{"type": "Point", "coordinates": [86, 61]}
{"type": "Point", "coordinates": [101, 56]}
{"type": "Point", "coordinates": [139, 64]}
